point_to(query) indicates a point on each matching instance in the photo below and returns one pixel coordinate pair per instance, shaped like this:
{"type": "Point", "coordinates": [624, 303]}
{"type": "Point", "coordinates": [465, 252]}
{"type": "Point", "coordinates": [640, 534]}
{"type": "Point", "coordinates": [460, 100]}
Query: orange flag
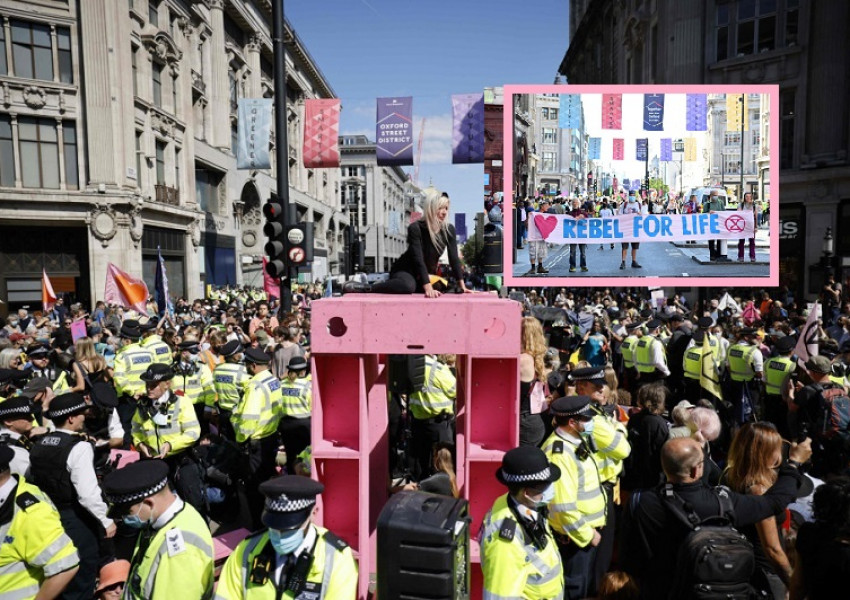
{"type": "Point", "coordinates": [125, 290]}
{"type": "Point", "coordinates": [48, 296]}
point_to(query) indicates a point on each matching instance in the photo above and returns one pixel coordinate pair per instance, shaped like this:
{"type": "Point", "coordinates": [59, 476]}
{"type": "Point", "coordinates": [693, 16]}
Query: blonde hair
{"type": "Point", "coordinates": [433, 202]}
{"type": "Point", "coordinates": [444, 463]}
{"type": "Point", "coordinates": [85, 353]}
{"type": "Point", "coordinates": [533, 343]}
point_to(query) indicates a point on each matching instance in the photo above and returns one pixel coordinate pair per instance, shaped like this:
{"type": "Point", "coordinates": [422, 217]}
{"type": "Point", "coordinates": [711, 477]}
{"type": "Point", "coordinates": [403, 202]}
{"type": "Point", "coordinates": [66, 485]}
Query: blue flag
{"type": "Point", "coordinates": [163, 302]}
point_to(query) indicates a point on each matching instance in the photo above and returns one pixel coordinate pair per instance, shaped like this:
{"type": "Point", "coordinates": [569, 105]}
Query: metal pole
{"type": "Point", "coordinates": [282, 147]}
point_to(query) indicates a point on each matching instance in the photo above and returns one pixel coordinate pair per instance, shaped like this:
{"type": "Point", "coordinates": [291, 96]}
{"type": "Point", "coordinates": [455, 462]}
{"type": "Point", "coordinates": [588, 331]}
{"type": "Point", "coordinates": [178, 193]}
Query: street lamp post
{"type": "Point", "coordinates": [679, 146]}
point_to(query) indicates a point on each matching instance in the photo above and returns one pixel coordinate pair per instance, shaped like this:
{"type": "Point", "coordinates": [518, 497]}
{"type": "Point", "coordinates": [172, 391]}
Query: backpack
{"type": "Point", "coordinates": [715, 560]}
{"type": "Point", "coordinates": [834, 412]}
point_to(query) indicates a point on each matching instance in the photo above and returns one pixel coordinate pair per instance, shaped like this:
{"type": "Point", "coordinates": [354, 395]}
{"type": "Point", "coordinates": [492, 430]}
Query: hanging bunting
{"type": "Point", "coordinates": [690, 149]}
{"type": "Point", "coordinates": [734, 113]}
{"type": "Point", "coordinates": [468, 128]}
{"type": "Point", "coordinates": [394, 131]}
{"type": "Point", "coordinates": [695, 119]}
{"type": "Point", "coordinates": [321, 133]}
{"type": "Point", "coordinates": [612, 111]}
{"type": "Point", "coordinates": [594, 148]}
{"type": "Point", "coordinates": [653, 112]}
{"type": "Point", "coordinates": [666, 149]}
{"type": "Point", "coordinates": [642, 149]}
{"type": "Point", "coordinates": [569, 113]}
{"type": "Point", "coordinates": [619, 148]}
{"type": "Point", "coordinates": [253, 133]}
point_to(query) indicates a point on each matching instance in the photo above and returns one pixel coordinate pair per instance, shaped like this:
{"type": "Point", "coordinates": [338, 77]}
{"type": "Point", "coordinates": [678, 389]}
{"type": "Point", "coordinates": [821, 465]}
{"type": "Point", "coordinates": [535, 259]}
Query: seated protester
{"type": "Point", "coordinates": [443, 481]}
{"type": "Point", "coordinates": [654, 533]}
{"type": "Point", "coordinates": [112, 579]}
{"type": "Point", "coordinates": [707, 427]}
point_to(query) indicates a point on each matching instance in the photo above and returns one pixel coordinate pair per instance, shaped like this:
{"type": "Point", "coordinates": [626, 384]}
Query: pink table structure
{"type": "Point", "coordinates": [351, 338]}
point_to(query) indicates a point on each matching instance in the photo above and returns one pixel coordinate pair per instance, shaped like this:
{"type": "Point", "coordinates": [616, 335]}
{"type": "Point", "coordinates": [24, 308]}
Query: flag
{"type": "Point", "coordinates": [48, 296]}
{"type": "Point", "coordinates": [270, 286]}
{"type": "Point", "coordinates": [125, 290]}
{"type": "Point", "coordinates": [807, 342]}
{"type": "Point", "coordinates": [690, 149]}
{"type": "Point", "coordinates": [726, 301]}
{"type": "Point", "coordinates": [329, 290]}
{"type": "Point", "coordinates": [163, 302]}
{"type": "Point", "coordinates": [619, 148]}
{"type": "Point", "coordinates": [467, 128]}
{"type": "Point", "coordinates": [321, 133]}
{"type": "Point", "coordinates": [569, 113]}
{"type": "Point", "coordinates": [394, 131]}
{"type": "Point", "coordinates": [253, 133]}
{"type": "Point", "coordinates": [666, 149]}
{"type": "Point", "coordinates": [594, 148]}
{"type": "Point", "coordinates": [734, 114]}
{"type": "Point", "coordinates": [642, 149]}
{"type": "Point", "coordinates": [696, 112]}
{"type": "Point", "coordinates": [653, 112]}
{"type": "Point", "coordinates": [708, 378]}
{"type": "Point", "coordinates": [751, 314]}
{"type": "Point", "coordinates": [612, 111]}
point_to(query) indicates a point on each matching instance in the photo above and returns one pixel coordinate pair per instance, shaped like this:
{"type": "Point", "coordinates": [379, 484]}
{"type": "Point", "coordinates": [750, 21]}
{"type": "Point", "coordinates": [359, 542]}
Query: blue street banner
{"type": "Point", "coordinates": [641, 149]}
{"type": "Point", "coordinates": [163, 302]}
{"type": "Point", "coordinates": [594, 148]}
{"type": "Point", "coordinates": [253, 133]}
{"type": "Point", "coordinates": [394, 131]}
{"type": "Point", "coordinates": [653, 112]}
{"type": "Point", "coordinates": [627, 184]}
{"type": "Point", "coordinates": [467, 128]}
{"type": "Point", "coordinates": [569, 113]}
{"type": "Point", "coordinates": [666, 149]}
{"type": "Point", "coordinates": [635, 184]}
{"type": "Point", "coordinates": [695, 117]}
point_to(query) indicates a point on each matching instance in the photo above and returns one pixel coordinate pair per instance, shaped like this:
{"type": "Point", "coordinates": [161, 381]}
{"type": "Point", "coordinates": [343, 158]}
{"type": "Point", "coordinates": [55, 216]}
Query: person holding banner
{"type": "Point", "coordinates": [537, 247]}
{"type": "Point", "coordinates": [576, 212]}
{"type": "Point", "coordinates": [631, 207]}
{"type": "Point", "coordinates": [748, 204]}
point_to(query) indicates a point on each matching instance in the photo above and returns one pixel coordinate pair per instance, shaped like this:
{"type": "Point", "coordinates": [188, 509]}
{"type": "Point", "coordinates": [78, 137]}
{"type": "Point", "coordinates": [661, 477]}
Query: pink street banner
{"type": "Point", "coordinates": [619, 148]}
{"type": "Point", "coordinates": [721, 225]}
{"type": "Point", "coordinates": [612, 111]}
{"type": "Point", "coordinates": [394, 131]}
{"type": "Point", "coordinates": [321, 133]}
{"type": "Point", "coordinates": [696, 110]}
{"type": "Point", "coordinates": [653, 112]}
{"type": "Point", "coordinates": [467, 128]}
{"type": "Point", "coordinates": [616, 184]}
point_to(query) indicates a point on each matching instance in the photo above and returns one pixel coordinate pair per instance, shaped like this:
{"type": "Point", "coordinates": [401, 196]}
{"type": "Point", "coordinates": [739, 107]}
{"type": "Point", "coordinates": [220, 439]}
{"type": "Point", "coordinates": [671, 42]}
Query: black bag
{"type": "Point", "coordinates": [715, 560]}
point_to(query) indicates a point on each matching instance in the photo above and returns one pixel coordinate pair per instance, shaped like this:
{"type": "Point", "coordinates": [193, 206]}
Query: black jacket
{"type": "Point", "coordinates": [421, 257]}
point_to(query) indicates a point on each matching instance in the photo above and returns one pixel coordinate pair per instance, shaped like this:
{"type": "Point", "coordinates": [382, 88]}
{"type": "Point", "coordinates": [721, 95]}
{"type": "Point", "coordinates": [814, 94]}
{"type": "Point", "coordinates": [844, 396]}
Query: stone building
{"type": "Point", "coordinates": [560, 166]}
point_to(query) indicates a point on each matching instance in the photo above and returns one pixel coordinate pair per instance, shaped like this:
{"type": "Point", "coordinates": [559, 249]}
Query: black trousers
{"type": "Point", "coordinates": [426, 433]}
{"type": "Point", "coordinates": [579, 570]}
{"type": "Point", "coordinates": [605, 549]}
{"type": "Point", "coordinates": [776, 411]}
{"type": "Point", "coordinates": [188, 480]}
{"type": "Point", "coordinates": [260, 466]}
{"type": "Point", "coordinates": [400, 282]}
{"type": "Point", "coordinates": [295, 436]}
{"type": "Point", "coordinates": [85, 531]}
{"type": "Point", "coordinates": [126, 409]}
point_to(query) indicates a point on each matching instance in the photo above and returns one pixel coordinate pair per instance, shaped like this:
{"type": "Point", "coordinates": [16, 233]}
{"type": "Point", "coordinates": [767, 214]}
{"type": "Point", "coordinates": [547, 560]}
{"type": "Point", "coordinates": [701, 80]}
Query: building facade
{"type": "Point", "coordinates": [747, 42]}
{"type": "Point", "coordinates": [727, 148]}
{"type": "Point", "coordinates": [117, 138]}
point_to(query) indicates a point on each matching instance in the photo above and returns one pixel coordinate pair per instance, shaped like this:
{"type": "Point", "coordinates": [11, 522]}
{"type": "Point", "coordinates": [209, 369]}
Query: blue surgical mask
{"type": "Point", "coordinates": [286, 542]}
{"type": "Point", "coordinates": [135, 522]}
{"type": "Point", "coordinates": [546, 498]}
{"type": "Point", "coordinates": [588, 428]}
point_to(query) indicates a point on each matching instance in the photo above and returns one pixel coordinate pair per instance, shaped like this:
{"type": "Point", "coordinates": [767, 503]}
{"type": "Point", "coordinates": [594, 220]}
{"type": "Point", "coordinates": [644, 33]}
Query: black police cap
{"type": "Point", "coordinates": [572, 406]}
{"type": "Point", "coordinates": [189, 345]}
{"type": "Point", "coordinates": [786, 344]}
{"type": "Point", "coordinates": [230, 348]}
{"type": "Point", "coordinates": [15, 408]}
{"type": "Point", "coordinates": [698, 336]}
{"type": "Point", "coordinates": [297, 363]}
{"type": "Point", "coordinates": [705, 322]}
{"type": "Point", "coordinates": [257, 356]}
{"type": "Point", "coordinates": [157, 372]}
{"type": "Point", "coordinates": [594, 374]}
{"type": "Point", "coordinates": [526, 466]}
{"type": "Point", "coordinates": [37, 350]}
{"type": "Point", "coordinates": [654, 324]}
{"type": "Point", "coordinates": [131, 484]}
{"type": "Point", "coordinates": [289, 501]}
{"type": "Point", "coordinates": [65, 405]}
{"type": "Point", "coordinates": [130, 332]}
{"type": "Point", "coordinates": [15, 377]}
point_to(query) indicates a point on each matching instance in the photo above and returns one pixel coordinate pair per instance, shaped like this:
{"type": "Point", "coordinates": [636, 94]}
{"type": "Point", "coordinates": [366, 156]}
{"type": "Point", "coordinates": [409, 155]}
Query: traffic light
{"type": "Point", "coordinates": [273, 229]}
{"type": "Point", "coordinates": [299, 244]}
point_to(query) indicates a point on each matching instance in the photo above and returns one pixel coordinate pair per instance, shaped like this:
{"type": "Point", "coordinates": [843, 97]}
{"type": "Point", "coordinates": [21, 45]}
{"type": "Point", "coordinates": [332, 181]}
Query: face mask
{"type": "Point", "coordinates": [135, 522]}
{"type": "Point", "coordinates": [546, 498]}
{"type": "Point", "coordinates": [286, 542]}
{"type": "Point", "coordinates": [588, 428]}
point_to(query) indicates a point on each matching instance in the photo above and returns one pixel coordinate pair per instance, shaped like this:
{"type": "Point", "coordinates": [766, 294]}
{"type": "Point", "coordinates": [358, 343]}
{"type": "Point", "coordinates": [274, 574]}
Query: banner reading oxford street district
{"type": "Point", "coordinates": [394, 131]}
{"type": "Point", "coordinates": [722, 225]}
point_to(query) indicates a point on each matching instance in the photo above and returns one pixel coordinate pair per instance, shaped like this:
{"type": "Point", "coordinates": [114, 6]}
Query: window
{"type": "Point", "coordinates": [792, 20]}
{"type": "Point", "coordinates": [4, 68]}
{"type": "Point", "coordinates": [549, 162]}
{"type": "Point", "coordinates": [733, 138]}
{"type": "Point", "coordinates": [756, 138]}
{"type": "Point", "coordinates": [756, 31]}
{"type": "Point", "coordinates": [7, 152]}
{"type": "Point", "coordinates": [177, 155]}
{"type": "Point", "coordinates": [174, 98]}
{"type": "Point", "coordinates": [134, 54]}
{"type": "Point", "coordinates": [206, 189]}
{"type": "Point", "coordinates": [153, 13]}
{"type": "Point", "coordinates": [139, 158]}
{"type": "Point", "coordinates": [160, 163]}
{"type": "Point", "coordinates": [39, 151]}
{"type": "Point", "coordinates": [553, 114]}
{"type": "Point", "coordinates": [787, 99]}
{"type": "Point", "coordinates": [550, 135]}
{"type": "Point", "coordinates": [157, 85]}
{"type": "Point", "coordinates": [69, 139]}
{"type": "Point", "coordinates": [32, 51]}
{"type": "Point", "coordinates": [653, 54]}
{"type": "Point", "coordinates": [63, 42]}
{"type": "Point", "coordinates": [234, 138]}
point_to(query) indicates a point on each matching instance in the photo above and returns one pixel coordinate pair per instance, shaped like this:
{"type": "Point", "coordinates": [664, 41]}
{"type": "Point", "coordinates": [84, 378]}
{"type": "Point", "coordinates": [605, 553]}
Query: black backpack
{"type": "Point", "coordinates": [715, 561]}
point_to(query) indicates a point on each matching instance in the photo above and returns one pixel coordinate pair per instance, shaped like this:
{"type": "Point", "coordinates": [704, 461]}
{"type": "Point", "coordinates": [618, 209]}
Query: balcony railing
{"type": "Point", "coordinates": [167, 195]}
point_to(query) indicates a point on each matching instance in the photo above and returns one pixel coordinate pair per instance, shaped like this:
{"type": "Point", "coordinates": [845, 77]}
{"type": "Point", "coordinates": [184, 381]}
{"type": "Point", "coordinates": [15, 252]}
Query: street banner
{"type": "Point", "coordinates": [641, 148]}
{"type": "Point", "coordinates": [467, 128]}
{"type": "Point", "coordinates": [569, 113]}
{"type": "Point", "coordinates": [653, 112]}
{"type": "Point", "coordinates": [394, 131]}
{"type": "Point", "coordinates": [690, 149]}
{"type": "Point", "coordinates": [635, 184]}
{"type": "Point", "coordinates": [695, 117]}
{"type": "Point", "coordinates": [666, 149]}
{"type": "Point", "coordinates": [163, 302]}
{"type": "Point", "coordinates": [612, 111]}
{"type": "Point", "coordinates": [270, 286]}
{"type": "Point", "coordinates": [807, 343]}
{"type": "Point", "coordinates": [125, 290]}
{"type": "Point", "coordinates": [734, 113]}
{"type": "Point", "coordinates": [619, 148]}
{"type": "Point", "coordinates": [721, 225]}
{"type": "Point", "coordinates": [48, 296]}
{"type": "Point", "coordinates": [253, 133]}
{"type": "Point", "coordinates": [321, 133]}
{"type": "Point", "coordinates": [594, 148]}
{"type": "Point", "coordinates": [709, 380]}
{"type": "Point", "coordinates": [627, 184]}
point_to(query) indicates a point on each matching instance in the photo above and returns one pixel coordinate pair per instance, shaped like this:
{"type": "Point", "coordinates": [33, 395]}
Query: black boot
{"type": "Point", "coordinates": [355, 287]}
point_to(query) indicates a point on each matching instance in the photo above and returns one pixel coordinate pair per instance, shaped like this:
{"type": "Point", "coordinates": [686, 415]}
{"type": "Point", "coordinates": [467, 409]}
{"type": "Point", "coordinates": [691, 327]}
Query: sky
{"type": "Point", "coordinates": [430, 50]}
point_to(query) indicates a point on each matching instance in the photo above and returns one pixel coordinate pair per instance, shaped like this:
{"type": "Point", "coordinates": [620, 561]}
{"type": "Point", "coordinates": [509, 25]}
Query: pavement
{"type": "Point", "coordinates": [658, 259]}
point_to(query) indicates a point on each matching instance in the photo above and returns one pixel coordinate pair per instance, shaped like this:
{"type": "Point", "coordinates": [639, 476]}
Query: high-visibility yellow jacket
{"type": "Point", "coordinates": [437, 395]}
{"type": "Point", "coordinates": [643, 354]}
{"type": "Point", "coordinates": [183, 430]}
{"type": "Point", "coordinates": [258, 414]}
{"type": "Point", "coordinates": [627, 349]}
{"type": "Point", "coordinates": [740, 361]}
{"type": "Point", "coordinates": [296, 397]}
{"type": "Point", "coordinates": [130, 362]}
{"type": "Point", "coordinates": [579, 503]}
{"type": "Point", "coordinates": [230, 380]}
{"type": "Point", "coordinates": [162, 354]}
{"type": "Point", "coordinates": [178, 561]}
{"type": "Point", "coordinates": [34, 544]}
{"type": "Point", "coordinates": [197, 385]}
{"type": "Point", "coordinates": [612, 447]}
{"type": "Point", "coordinates": [333, 568]}
{"type": "Point", "coordinates": [692, 362]}
{"type": "Point", "coordinates": [513, 566]}
{"type": "Point", "coordinates": [776, 372]}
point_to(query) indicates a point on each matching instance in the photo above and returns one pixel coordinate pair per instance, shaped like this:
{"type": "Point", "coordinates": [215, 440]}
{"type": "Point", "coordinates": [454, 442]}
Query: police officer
{"type": "Point", "coordinates": [650, 355]}
{"type": "Point", "coordinates": [39, 357]}
{"type": "Point", "coordinates": [230, 379]}
{"type": "Point", "coordinates": [627, 349]}
{"type": "Point", "coordinates": [194, 380]}
{"type": "Point", "coordinates": [777, 372]}
{"type": "Point", "coordinates": [519, 556]}
{"type": "Point", "coordinates": [37, 558]}
{"type": "Point", "coordinates": [692, 366]}
{"type": "Point", "coordinates": [39, 392]}
{"type": "Point", "coordinates": [255, 423]}
{"type": "Point", "coordinates": [577, 510]}
{"type": "Point", "coordinates": [676, 347]}
{"type": "Point", "coordinates": [131, 361]}
{"type": "Point", "coordinates": [174, 551]}
{"type": "Point", "coordinates": [292, 558]}
{"type": "Point", "coordinates": [432, 409]}
{"type": "Point", "coordinates": [165, 426]}
{"type": "Point", "coordinates": [296, 407]}
{"type": "Point", "coordinates": [62, 466]}
{"type": "Point", "coordinates": [15, 429]}
{"type": "Point", "coordinates": [153, 343]}
{"type": "Point", "coordinates": [746, 364]}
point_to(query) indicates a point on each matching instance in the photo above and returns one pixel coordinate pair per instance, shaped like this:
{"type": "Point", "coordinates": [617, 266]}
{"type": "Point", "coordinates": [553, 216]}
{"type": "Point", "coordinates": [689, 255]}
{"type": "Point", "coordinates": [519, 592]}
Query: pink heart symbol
{"type": "Point", "coordinates": [545, 225]}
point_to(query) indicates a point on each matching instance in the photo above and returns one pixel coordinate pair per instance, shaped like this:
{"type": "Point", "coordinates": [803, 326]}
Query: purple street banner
{"type": "Point", "coordinates": [695, 118]}
{"type": "Point", "coordinates": [594, 148]}
{"type": "Point", "coordinates": [666, 149]}
{"type": "Point", "coordinates": [467, 128]}
{"type": "Point", "coordinates": [635, 184]}
{"type": "Point", "coordinates": [642, 149]}
{"type": "Point", "coordinates": [394, 131]}
{"type": "Point", "coordinates": [653, 112]}
{"type": "Point", "coordinates": [627, 184]}
{"type": "Point", "coordinates": [569, 113]}
{"type": "Point", "coordinates": [721, 225]}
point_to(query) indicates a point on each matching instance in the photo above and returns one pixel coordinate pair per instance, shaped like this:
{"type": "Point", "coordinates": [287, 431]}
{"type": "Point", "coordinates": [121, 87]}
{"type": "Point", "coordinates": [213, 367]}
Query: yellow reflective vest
{"type": "Point", "coordinates": [333, 570]}
{"type": "Point", "coordinates": [627, 349]}
{"type": "Point", "coordinates": [33, 545]}
{"type": "Point", "coordinates": [692, 362]}
{"type": "Point", "coordinates": [161, 352]}
{"type": "Point", "coordinates": [230, 380]}
{"type": "Point", "coordinates": [258, 414]}
{"type": "Point", "coordinates": [130, 362]}
{"type": "Point", "coordinates": [612, 447]}
{"type": "Point", "coordinates": [178, 561]}
{"type": "Point", "coordinates": [437, 394]}
{"type": "Point", "coordinates": [643, 354]}
{"type": "Point", "coordinates": [740, 360]}
{"type": "Point", "coordinates": [182, 430]}
{"type": "Point", "coordinates": [513, 566]}
{"type": "Point", "coordinates": [296, 397]}
{"type": "Point", "coordinates": [196, 383]}
{"type": "Point", "coordinates": [776, 372]}
{"type": "Point", "coordinates": [579, 503]}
